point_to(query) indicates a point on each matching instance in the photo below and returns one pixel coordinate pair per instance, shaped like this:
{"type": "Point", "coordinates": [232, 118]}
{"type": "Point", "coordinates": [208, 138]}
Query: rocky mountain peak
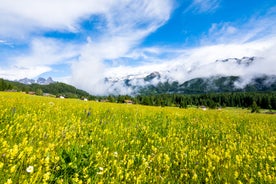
{"type": "Point", "coordinates": [40, 80]}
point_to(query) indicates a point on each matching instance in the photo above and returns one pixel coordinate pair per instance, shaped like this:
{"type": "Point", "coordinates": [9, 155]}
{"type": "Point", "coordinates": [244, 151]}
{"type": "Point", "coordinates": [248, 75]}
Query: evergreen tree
{"type": "Point", "coordinates": [254, 107]}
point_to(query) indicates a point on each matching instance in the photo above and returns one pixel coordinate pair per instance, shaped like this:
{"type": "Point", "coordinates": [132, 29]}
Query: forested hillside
{"type": "Point", "coordinates": [217, 84]}
{"type": "Point", "coordinates": [56, 89]}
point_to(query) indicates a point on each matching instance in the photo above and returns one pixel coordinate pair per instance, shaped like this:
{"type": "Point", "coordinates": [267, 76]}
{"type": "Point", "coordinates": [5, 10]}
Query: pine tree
{"type": "Point", "coordinates": [254, 107]}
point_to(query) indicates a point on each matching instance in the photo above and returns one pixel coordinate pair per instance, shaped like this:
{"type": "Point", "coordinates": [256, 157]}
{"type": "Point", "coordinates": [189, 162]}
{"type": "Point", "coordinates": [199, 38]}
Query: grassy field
{"type": "Point", "coordinates": [48, 140]}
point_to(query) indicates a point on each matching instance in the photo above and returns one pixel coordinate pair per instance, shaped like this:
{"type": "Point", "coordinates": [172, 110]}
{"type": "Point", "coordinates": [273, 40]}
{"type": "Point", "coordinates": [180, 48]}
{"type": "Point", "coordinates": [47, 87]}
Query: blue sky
{"type": "Point", "coordinates": [189, 22]}
{"type": "Point", "coordinates": [82, 42]}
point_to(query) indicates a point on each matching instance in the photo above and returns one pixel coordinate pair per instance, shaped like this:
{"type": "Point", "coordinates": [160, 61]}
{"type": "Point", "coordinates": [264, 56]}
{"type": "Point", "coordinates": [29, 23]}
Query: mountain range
{"type": "Point", "coordinates": [166, 81]}
{"type": "Point", "coordinates": [40, 80]}
{"type": "Point", "coordinates": [181, 79]}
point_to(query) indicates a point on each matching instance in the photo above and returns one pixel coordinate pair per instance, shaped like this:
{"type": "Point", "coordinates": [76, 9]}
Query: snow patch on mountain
{"type": "Point", "coordinates": [40, 80]}
{"type": "Point", "coordinates": [244, 68]}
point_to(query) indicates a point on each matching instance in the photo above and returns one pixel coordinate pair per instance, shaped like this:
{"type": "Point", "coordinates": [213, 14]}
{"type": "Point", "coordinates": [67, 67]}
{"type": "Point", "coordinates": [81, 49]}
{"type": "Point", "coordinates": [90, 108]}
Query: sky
{"type": "Point", "coordinates": [84, 42]}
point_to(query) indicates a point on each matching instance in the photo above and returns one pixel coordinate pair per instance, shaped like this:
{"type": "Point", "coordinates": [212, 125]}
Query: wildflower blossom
{"type": "Point", "coordinates": [30, 169]}
{"type": "Point", "coordinates": [9, 181]}
{"type": "Point", "coordinates": [101, 170]}
{"type": "Point", "coordinates": [1, 165]}
{"type": "Point", "coordinates": [115, 154]}
{"type": "Point", "coordinates": [13, 169]}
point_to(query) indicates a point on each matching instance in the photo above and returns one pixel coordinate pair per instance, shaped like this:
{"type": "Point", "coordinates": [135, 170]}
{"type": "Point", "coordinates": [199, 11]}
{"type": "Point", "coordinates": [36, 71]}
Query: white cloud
{"type": "Point", "coordinates": [42, 55]}
{"type": "Point", "coordinates": [20, 18]}
{"type": "Point", "coordinates": [5, 43]}
{"type": "Point", "coordinates": [202, 6]}
{"type": "Point", "coordinates": [46, 52]}
{"type": "Point", "coordinates": [127, 24]}
{"type": "Point", "coordinates": [242, 32]}
{"type": "Point", "coordinates": [15, 72]}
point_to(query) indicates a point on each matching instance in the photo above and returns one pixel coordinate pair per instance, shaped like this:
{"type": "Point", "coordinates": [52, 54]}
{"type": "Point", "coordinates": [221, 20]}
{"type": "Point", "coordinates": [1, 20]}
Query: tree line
{"type": "Point", "coordinates": [265, 100]}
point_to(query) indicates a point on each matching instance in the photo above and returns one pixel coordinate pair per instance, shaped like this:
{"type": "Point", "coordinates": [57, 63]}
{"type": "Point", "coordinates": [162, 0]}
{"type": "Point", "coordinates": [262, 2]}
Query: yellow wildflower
{"type": "Point", "coordinates": [9, 181]}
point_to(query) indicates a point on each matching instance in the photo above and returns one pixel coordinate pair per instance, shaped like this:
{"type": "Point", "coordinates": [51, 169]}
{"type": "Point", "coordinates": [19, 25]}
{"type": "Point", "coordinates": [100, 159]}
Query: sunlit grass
{"type": "Point", "coordinates": [48, 140]}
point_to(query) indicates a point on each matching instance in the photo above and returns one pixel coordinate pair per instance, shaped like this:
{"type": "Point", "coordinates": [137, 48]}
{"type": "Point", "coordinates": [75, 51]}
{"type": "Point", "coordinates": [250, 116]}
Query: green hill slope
{"type": "Point", "coordinates": [56, 89]}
